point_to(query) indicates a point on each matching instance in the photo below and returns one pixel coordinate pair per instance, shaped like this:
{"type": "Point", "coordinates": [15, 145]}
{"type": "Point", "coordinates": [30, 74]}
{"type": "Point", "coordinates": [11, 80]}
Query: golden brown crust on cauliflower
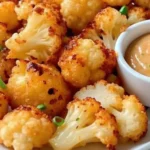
{"type": "Point", "coordinates": [8, 15]}
{"type": "Point", "coordinates": [137, 14]}
{"type": "Point", "coordinates": [85, 61]}
{"type": "Point", "coordinates": [6, 65]}
{"type": "Point", "coordinates": [25, 7]}
{"type": "Point", "coordinates": [129, 112]}
{"type": "Point", "coordinates": [111, 94]}
{"type": "Point", "coordinates": [86, 122]}
{"type": "Point", "coordinates": [3, 34]}
{"type": "Point", "coordinates": [3, 104]}
{"type": "Point", "coordinates": [78, 13]}
{"type": "Point", "coordinates": [143, 3]}
{"type": "Point", "coordinates": [34, 84]}
{"type": "Point", "coordinates": [38, 40]}
{"type": "Point", "coordinates": [117, 2]}
{"type": "Point", "coordinates": [132, 119]}
{"type": "Point", "coordinates": [109, 23]}
{"type": "Point", "coordinates": [26, 128]}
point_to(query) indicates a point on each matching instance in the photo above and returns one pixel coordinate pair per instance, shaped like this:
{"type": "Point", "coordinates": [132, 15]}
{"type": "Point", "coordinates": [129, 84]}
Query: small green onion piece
{"type": "Point", "coordinates": [124, 10]}
{"type": "Point", "coordinates": [77, 119]}
{"type": "Point", "coordinates": [111, 78]}
{"type": "Point", "coordinates": [1, 47]}
{"type": "Point", "coordinates": [58, 121]}
{"type": "Point", "coordinates": [41, 107]}
{"type": "Point", "coordinates": [2, 84]}
{"type": "Point", "coordinates": [149, 66]}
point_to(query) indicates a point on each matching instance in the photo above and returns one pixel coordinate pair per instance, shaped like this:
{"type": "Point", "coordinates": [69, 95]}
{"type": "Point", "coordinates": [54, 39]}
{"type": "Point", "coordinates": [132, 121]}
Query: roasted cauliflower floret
{"type": "Point", "coordinates": [6, 65]}
{"type": "Point", "coordinates": [85, 61]}
{"type": "Point", "coordinates": [143, 3]}
{"type": "Point", "coordinates": [26, 128]}
{"type": "Point", "coordinates": [8, 15]}
{"type": "Point", "coordinates": [132, 119]}
{"type": "Point", "coordinates": [3, 104]}
{"type": "Point", "coordinates": [86, 122]}
{"type": "Point", "coordinates": [38, 40]}
{"type": "Point", "coordinates": [129, 112]}
{"type": "Point", "coordinates": [3, 34]}
{"type": "Point", "coordinates": [109, 23]}
{"type": "Point", "coordinates": [78, 13]}
{"type": "Point", "coordinates": [24, 8]}
{"type": "Point", "coordinates": [34, 84]}
{"type": "Point", "coordinates": [107, 94]}
{"type": "Point", "coordinates": [117, 2]}
{"type": "Point", "coordinates": [137, 14]}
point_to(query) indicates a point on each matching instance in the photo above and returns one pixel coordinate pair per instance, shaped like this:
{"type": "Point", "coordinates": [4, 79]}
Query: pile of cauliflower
{"type": "Point", "coordinates": [58, 81]}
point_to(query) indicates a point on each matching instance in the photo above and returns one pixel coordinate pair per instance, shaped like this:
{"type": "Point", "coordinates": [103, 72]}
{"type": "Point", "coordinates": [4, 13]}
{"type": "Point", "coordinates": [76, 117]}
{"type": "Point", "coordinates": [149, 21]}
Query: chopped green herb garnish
{"type": "Point", "coordinates": [111, 78]}
{"type": "Point", "coordinates": [41, 107]}
{"type": "Point", "coordinates": [58, 121]}
{"type": "Point", "coordinates": [1, 47]}
{"type": "Point", "coordinates": [77, 119]}
{"type": "Point", "coordinates": [2, 84]}
{"type": "Point", "coordinates": [124, 10]}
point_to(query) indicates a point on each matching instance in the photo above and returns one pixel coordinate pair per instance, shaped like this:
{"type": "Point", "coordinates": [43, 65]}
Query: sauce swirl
{"type": "Point", "coordinates": [138, 55]}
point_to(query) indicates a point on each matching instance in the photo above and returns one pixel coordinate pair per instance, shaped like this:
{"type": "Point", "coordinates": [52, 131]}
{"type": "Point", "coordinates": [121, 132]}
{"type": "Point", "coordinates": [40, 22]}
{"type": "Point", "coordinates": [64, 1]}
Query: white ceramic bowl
{"type": "Point", "coordinates": [134, 82]}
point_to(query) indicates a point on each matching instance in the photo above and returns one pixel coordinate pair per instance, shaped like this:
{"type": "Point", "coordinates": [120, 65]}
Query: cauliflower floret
{"type": "Point", "coordinates": [26, 128]}
{"type": "Point", "coordinates": [8, 15]}
{"type": "Point", "coordinates": [38, 40]}
{"type": "Point", "coordinates": [78, 13]}
{"type": "Point", "coordinates": [107, 94]}
{"type": "Point", "coordinates": [6, 65]}
{"type": "Point", "coordinates": [143, 3]}
{"type": "Point", "coordinates": [132, 119]}
{"type": "Point", "coordinates": [85, 61]}
{"type": "Point", "coordinates": [129, 112]}
{"type": "Point", "coordinates": [24, 8]}
{"type": "Point", "coordinates": [85, 122]}
{"type": "Point", "coordinates": [117, 2]}
{"type": "Point", "coordinates": [3, 104]}
{"type": "Point", "coordinates": [3, 34]}
{"type": "Point", "coordinates": [34, 84]}
{"type": "Point", "coordinates": [109, 23]}
{"type": "Point", "coordinates": [136, 14]}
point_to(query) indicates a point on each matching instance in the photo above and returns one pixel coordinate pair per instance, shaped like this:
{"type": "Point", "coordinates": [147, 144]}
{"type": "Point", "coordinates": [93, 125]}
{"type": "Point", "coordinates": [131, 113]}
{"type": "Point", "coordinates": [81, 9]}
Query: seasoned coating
{"type": "Point", "coordinates": [34, 84]}
{"type": "Point", "coordinates": [109, 23]}
{"type": "Point", "coordinates": [8, 15]}
{"type": "Point", "coordinates": [86, 122]}
{"type": "Point", "coordinates": [26, 128]}
{"type": "Point", "coordinates": [85, 61]}
{"type": "Point", "coordinates": [129, 112]}
{"type": "Point", "coordinates": [132, 119]}
{"type": "Point", "coordinates": [3, 104]}
{"type": "Point", "coordinates": [110, 94]}
{"type": "Point", "coordinates": [24, 8]}
{"type": "Point", "coordinates": [78, 13]}
{"type": "Point", "coordinates": [3, 34]}
{"type": "Point", "coordinates": [117, 2]}
{"type": "Point", "coordinates": [137, 14]}
{"type": "Point", "coordinates": [6, 65]}
{"type": "Point", "coordinates": [38, 40]}
{"type": "Point", "coordinates": [143, 3]}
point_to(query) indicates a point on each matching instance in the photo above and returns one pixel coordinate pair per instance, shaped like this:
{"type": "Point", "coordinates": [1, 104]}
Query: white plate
{"type": "Point", "coordinates": [144, 144]}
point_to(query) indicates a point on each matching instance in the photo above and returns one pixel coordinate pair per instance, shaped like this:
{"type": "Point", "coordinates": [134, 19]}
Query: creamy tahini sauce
{"type": "Point", "coordinates": [138, 55]}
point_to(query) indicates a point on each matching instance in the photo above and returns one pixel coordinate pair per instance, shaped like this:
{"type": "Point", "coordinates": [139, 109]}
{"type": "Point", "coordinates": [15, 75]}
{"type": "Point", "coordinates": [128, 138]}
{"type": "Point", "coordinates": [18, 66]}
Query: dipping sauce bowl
{"type": "Point", "coordinates": [133, 81]}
